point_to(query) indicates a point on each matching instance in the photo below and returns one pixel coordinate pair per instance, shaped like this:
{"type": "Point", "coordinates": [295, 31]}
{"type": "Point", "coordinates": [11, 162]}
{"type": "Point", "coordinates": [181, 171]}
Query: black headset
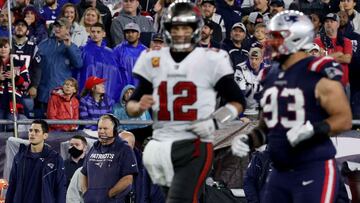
{"type": "Point", "coordinates": [115, 122]}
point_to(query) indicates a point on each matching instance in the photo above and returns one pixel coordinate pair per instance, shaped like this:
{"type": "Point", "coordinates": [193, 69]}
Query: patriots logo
{"type": "Point", "coordinates": [99, 164]}
{"type": "Point", "coordinates": [332, 72]}
{"type": "Point", "coordinates": [291, 19]}
{"type": "Point", "coordinates": [50, 165]}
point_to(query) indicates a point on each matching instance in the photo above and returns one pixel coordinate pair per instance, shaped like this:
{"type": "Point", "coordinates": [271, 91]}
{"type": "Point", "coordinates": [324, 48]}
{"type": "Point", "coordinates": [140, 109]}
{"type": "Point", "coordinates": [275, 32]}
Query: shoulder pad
{"type": "Point", "coordinates": [326, 66]}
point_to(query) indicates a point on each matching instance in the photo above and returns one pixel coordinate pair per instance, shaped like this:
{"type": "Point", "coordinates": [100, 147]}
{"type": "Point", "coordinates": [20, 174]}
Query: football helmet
{"type": "Point", "coordinates": [289, 32]}
{"type": "Point", "coordinates": [182, 12]}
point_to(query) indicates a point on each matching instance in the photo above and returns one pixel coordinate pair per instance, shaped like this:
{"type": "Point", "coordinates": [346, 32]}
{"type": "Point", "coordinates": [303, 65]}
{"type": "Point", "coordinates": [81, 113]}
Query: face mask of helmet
{"type": "Point", "coordinates": [187, 14]}
{"type": "Point", "coordinates": [74, 152]}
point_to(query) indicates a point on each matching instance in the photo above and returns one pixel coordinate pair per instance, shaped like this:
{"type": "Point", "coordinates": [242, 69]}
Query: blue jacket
{"type": "Point", "coordinates": [100, 62]}
{"type": "Point", "coordinates": [256, 174]}
{"type": "Point", "coordinates": [126, 55]}
{"type": "Point", "coordinates": [53, 176]}
{"type": "Point", "coordinates": [57, 60]}
{"type": "Point", "coordinates": [120, 112]}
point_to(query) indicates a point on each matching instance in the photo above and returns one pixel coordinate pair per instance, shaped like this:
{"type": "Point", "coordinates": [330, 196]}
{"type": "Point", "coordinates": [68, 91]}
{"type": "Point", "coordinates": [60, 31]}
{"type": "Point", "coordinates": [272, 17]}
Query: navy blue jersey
{"type": "Point", "coordinates": [289, 100]}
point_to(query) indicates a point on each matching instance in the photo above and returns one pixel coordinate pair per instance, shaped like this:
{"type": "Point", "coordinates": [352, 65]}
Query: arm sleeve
{"type": "Point", "coordinates": [34, 69]}
{"type": "Point", "coordinates": [117, 34]}
{"type": "Point", "coordinates": [144, 87]}
{"type": "Point", "coordinates": [60, 186]}
{"type": "Point", "coordinates": [51, 109]}
{"type": "Point", "coordinates": [10, 194]}
{"type": "Point", "coordinates": [74, 55]}
{"type": "Point", "coordinates": [128, 162]}
{"type": "Point", "coordinates": [347, 46]}
{"type": "Point", "coordinates": [84, 114]}
{"type": "Point", "coordinates": [251, 177]}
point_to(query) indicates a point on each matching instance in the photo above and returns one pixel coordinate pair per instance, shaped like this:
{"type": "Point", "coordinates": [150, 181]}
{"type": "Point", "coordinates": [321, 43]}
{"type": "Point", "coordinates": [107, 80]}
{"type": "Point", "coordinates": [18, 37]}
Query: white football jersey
{"type": "Point", "coordinates": [184, 92]}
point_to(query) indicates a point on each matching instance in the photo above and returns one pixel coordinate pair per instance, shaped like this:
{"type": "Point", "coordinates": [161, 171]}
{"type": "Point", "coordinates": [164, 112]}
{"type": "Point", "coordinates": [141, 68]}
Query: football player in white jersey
{"type": "Point", "coordinates": [180, 83]}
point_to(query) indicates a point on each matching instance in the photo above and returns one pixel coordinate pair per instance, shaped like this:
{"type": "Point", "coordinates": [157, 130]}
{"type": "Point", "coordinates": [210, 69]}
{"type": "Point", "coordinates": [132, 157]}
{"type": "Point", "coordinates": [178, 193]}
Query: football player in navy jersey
{"type": "Point", "coordinates": [303, 104]}
{"type": "Point", "coordinates": [180, 84]}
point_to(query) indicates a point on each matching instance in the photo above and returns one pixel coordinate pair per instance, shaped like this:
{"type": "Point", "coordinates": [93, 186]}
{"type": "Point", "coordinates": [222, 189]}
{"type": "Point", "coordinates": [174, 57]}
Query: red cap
{"type": "Point", "coordinates": [92, 81]}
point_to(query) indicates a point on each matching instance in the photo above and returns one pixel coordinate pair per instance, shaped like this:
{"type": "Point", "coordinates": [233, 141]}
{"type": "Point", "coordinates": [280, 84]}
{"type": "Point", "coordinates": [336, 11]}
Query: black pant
{"type": "Point", "coordinates": [192, 161]}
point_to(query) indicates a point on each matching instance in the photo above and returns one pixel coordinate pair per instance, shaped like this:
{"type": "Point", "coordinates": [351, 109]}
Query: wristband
{"type": "Point", "coordinates": [322, 128]}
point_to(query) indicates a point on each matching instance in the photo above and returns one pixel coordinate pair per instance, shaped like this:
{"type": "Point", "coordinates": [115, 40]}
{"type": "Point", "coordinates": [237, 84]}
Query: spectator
{"type": "Point", "coordinates": [94, 102]}
{"type": "Point", "coordinates": [37, 173]}
{"type": "Point", "coordinates": [236, 47]}
{"type": "Point", "coordinates": [127, 15]}
{"type": "Point", "coordinates": [103, 13]}
{"type": "Point", "coordinates": [21, 84]}
{"type": "Point", "coordinates": [50, 11]}
{"type": "Point", "coordinates": [109, 157]}
{"type": "Point", "coordinates": [276, 6]}
{"type": "Point", "coordinates": [79, 36]}
{"type": "Point", "coordinates": [206, 36]}
{"type": "Point", "coordinates": [18, 9]}
{"type": "Point", "coordinates": [335, 44]}
{"type": "Point", "coordinates": [89, 18]}
{"type": "Point", "coordinates": [145, 191]}
{"type": "Point", "coordinates": [129, 51]}
{"type": "Point", "coordinates": [25, 52]}
{"type": "Point", "coordinates": [246, 76]}
{"type": "Point", "coordinates": [227, 9]}
{"type": "Point", "coordinates": [354, 16]}
{"type": "Point", "coordinates": [4, 23]}
{"type": "Point", "coordinates": [354, 73]}
{"type": "Point", "coordinates": [253, 19]}
{"type": "Point", "coordinates": [77, 151]}
{"type": "Point", "coordinates": [74, 192]}
{"type": "Point", "coordinates": [259, 35]}
{"type": "Point", "coordinates": [314, 50]}
{"type": "Point", "coordinates": [59, 56]}
{"type": "Point", "coordinates": [120, 111]}
{"type": "Point", "coordinates": [157, 41]}
{"type": "Point", "coordinates": [208, 8]}
{"type": "Point", "coordinates": [321, 7]}
{"type": "Point", "coordinates": [100, 61]}
{"type": "Point", "coordinates": [256, 174]}
{"type": "Point", "coordinates": [37, 28]}
{"type": "Point", "coordinates": [317, 22]}
{"type": "Point", "coordinates": [262, 6]}
{"type": "Point", "coordinates": [64, 105]}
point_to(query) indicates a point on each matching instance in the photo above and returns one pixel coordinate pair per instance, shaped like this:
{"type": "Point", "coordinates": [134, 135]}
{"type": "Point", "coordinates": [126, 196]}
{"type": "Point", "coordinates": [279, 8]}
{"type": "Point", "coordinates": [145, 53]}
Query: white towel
{"type": "Point", "coordinates": [157, 161]}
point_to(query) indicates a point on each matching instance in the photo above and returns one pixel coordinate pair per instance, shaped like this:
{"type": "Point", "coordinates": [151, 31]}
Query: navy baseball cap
{"type": "Point", "coordinates": [279, 3]}
{"type": "Point", "coordinates": [157, 37]}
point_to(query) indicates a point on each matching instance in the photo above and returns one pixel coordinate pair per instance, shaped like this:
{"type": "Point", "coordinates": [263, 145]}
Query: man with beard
{"type": "Point", "coordinates": [25, 52]}
{"type": "Point", "coordinates": [206, 36]}
{"type": "Point", "coordinates": [334, 44]}
{"type": "Point", "coordinates": [50, 11]}
{"type": "Point", "coordinates": [4, 22]}
{"type": "Point", "coordinates": [129, 51]}
{"type": "Point", "coordinates": [77, 151]}
{"type": "Point", "coordinates": [208, 8]}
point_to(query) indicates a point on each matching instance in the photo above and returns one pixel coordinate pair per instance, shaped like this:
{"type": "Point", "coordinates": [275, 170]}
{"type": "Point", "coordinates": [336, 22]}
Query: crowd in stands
{"type": "Point", "coordinates": [73, 59]}
{"type": "Point", "coordinates": [87, 41]}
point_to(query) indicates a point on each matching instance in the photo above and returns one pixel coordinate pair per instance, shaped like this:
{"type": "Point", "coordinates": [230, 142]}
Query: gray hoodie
{"type": "Point", "coordinates": [118, 24]}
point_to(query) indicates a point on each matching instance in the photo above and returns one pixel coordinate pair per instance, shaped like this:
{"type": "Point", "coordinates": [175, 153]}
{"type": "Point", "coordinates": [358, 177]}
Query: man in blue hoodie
{"type": "Point", "coordinates": [99, 61]}
{"type": "Point", "coordinates": [129, 51]}
{"type": "Point", "coordinates": [37, 174]}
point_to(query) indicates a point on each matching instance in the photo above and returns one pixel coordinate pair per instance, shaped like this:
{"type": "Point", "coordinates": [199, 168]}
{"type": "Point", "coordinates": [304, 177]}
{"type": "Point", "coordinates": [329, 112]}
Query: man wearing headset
{"type": "Point", "coordinates": [109, 166]}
